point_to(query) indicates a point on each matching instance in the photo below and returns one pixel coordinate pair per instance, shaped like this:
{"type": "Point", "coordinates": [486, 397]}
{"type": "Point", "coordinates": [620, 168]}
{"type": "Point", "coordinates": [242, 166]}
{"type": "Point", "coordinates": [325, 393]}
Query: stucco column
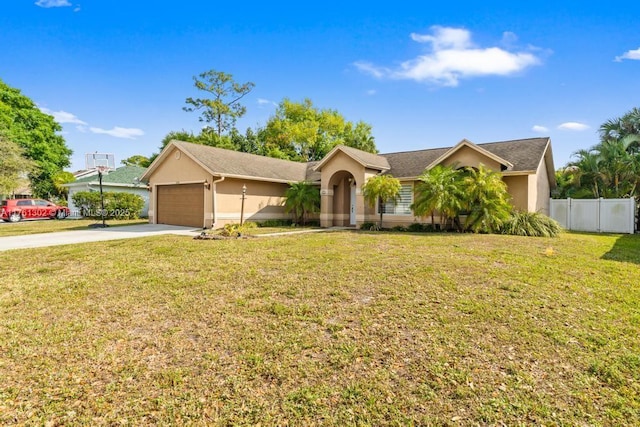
{"type": "Point", "coordinates": [360, 206]}
{"type": "Point", "coordinates": [326, 207]}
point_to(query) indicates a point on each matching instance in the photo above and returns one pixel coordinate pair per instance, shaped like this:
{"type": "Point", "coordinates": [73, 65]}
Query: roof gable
{"type": "Point", "coordinates": [366, 159]}
{"type": "Point", "coordinates": [234, 164]}
{"type": "Point", "coordinates": [467, 143]}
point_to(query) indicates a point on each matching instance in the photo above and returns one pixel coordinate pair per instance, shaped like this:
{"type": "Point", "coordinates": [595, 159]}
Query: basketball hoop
{"type": "Point", "coordinates": [101, 169]}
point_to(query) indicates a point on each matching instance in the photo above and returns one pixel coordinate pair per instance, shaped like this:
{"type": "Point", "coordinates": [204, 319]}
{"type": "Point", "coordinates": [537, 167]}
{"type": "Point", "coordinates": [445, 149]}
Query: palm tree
{"type": "Point", "coordinates": [440, 189]}
{"type": "Point", "coordinates": [487, 200]}
{"type": "Point", "coordinates": [620, 127]}
{"type": "Point", "coordinates": [587, 170]}
{"type": "Point", "coordinates": [381, 189]}
{"type": "Point", "coordinates": [302, 198]}
{"type": "Point", "coordinates": [61, 178]}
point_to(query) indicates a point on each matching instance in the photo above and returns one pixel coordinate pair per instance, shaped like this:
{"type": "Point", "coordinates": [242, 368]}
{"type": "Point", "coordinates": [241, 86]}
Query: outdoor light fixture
{"type": "Point", "coordinates": [244, 196]}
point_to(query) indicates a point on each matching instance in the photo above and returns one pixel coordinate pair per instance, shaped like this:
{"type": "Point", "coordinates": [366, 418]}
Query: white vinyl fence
{"type": "Point", "coordinates": [596, 215]}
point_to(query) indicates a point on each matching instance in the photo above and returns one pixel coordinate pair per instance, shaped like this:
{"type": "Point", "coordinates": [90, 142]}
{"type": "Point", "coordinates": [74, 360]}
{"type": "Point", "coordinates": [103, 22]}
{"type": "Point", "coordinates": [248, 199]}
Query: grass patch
{"type": "Point", "coordinates": [50, 226]}
{"type": "Point", "coordinates": [338, 328]}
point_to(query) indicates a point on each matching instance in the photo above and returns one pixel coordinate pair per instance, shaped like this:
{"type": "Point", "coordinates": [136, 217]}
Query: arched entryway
{"type": "Point", "coordinates": [342, 194]}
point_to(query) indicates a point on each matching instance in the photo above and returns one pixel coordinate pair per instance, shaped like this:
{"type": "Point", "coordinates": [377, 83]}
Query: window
{"type": "Point", "coordinates": [402, 207]}
{"type": "Point", "coordinates": [23, 203]}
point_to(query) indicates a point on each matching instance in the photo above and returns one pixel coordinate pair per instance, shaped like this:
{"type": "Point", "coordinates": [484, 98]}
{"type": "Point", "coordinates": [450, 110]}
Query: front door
{"type": "Point", "coordinates": [352, 210]}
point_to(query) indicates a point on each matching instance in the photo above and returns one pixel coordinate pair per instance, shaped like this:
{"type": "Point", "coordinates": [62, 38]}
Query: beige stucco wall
{"type": "Point", "coordinates": [179, 169]}
{"type": "Point", "coordinates": [263, 200]}
{"type": "Point", "coordinates": [466, 156]}
{"type": "Point", "coordinates": [542, 190]}
{"type": "Point", "coordinates": [518, 188]}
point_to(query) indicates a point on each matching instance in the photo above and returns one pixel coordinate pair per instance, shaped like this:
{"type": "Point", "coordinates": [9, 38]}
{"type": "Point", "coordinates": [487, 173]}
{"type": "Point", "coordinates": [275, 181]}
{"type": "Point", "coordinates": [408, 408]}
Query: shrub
{"type": "Point", "coordinates": [275, 223]}
{"type": "Point", "coordinates": [117, 205]}
{"type": "Point", "coordinates": [532, 224]}
{"type": "Point", "coordinates": [399, 228]}
{"type": "Point", "coordinates": [237, 230]}
{"type": "Point", "coordinates": [416, 227]}
{"type": "Point", "coordinates": [369, 226]}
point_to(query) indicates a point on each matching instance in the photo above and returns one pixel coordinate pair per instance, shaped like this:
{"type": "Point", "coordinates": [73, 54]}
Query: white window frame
{"type": "Point", "coordinates": [402, 207]}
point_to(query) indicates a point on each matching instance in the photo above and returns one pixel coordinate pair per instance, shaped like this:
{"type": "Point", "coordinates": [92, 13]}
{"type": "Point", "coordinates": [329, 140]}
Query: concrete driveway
{"type": "Point", "coordinates": [92, 235]}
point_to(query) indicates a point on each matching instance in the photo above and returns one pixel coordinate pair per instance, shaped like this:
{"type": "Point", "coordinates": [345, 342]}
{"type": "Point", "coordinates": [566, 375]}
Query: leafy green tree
{"type": "Point", "coordinates": [61, 178]}
{"type": "Point", "coordinates": [224, 108]}
{"type": "Point", "coordinates": [440, 190]}
{"type": "Point", "coordinates": [302, 132]}
{"type": "Point", "coordinates": [381, 189]}
{"type": "Point", "coordinates": [486, 200]}
{"type": "Point", "coordinates": [136, 160]}
{"type": "Point", "coordinates": [302, 199]}
{"type": "Point", "coordinates": [360, 136]}
{"type": "Point", "coordinates": [14, 167]}
{"type": "Point", "coordinates": [22, 122]}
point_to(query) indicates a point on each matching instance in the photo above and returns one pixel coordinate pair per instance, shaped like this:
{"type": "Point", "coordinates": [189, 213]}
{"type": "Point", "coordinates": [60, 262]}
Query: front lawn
{"type": "Point", "coordinates": [51, 225]}
{"type": "Point", "coordinates": [337, 328]}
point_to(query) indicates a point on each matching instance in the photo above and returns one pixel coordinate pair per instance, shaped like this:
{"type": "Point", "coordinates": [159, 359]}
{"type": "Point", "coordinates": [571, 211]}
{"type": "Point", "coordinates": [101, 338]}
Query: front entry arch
{"type": "Point", "coordinates": [342, 195]}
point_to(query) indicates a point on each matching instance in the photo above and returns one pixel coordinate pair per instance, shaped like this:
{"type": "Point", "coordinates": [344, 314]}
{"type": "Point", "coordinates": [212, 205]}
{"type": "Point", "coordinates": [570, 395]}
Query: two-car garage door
{"type": "Point", "coordinates": [181, 204]}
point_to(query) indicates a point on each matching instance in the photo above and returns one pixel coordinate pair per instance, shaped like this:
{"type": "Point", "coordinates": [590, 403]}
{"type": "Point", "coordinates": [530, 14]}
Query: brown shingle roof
{"type": "Point", "coordinates": [234, 163]}
{"type": "Point", "coordinates": [524, 154]}
{"type": "Point", "coordinates": [371, 160]}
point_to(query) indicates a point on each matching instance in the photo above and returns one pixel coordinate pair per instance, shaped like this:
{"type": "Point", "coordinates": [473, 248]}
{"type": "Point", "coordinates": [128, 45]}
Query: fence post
{"type": "Point", "coordinates": [568, 213]}
{"type": "Point", "coordinates": [599, 219]}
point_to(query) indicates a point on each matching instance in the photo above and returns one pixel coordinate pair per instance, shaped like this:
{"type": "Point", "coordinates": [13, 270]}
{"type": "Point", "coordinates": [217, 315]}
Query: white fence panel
{"type": "Point", "coordinates": [619, 217]}
{"type": "Point", "coordinates": [595, 215]}
{"type": "Point", "coordinates": [559, 210]}
{"type": "Point", "coordinates": [585, 215]}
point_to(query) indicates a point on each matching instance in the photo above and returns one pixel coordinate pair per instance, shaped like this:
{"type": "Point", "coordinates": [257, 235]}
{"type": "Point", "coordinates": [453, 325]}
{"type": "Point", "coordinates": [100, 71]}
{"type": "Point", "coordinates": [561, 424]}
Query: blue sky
{"type": "Point", "coordinates": [116, 74]}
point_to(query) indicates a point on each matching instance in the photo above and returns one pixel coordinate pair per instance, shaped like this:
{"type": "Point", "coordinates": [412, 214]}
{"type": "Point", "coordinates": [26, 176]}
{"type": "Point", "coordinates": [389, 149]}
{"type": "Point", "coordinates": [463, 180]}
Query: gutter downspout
{"type": "Point", "coordinates": [214, 200]}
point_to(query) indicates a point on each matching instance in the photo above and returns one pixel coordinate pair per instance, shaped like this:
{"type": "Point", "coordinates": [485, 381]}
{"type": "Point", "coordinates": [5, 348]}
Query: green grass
{"type": "Point", "coordinates": [339, 328]}
{"type": "Point", "coordinates": [49, 226]}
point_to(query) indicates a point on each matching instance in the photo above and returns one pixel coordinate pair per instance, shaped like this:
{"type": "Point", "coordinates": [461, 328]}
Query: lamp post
{"type": "Point", "coordinates": [244, 196]}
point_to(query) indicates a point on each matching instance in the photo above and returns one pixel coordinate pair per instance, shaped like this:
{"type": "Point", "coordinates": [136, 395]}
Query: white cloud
{"type": "Point", "coordinates": [540, 129]}
{"type": "Point", "coordinates": [453, 56]}
{"type": "Point", "coordinates": [575, 126]}
{"type": "Point", "coordinates": [52, 3]}
{"type": "Point", "coordinates": [369, 68]}
{"type": "Point", "coordinates": [118, 132]}
{"type": "Point", "coordinates": [262, 101]}
{"type": "Point", "coordinates": [371, 92]}
{"type": "Point", "coordinates": [630, 54]}
{"type": "Point", "coordinates": [509, 39]}
{"type": "Point", "coordinates": [63, 116]}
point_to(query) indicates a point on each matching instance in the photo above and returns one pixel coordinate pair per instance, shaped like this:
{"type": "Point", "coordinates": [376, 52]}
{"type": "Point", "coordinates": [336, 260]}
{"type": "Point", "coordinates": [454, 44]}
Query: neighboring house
{"type": "Point", "coordinates": [125, 179]}
{"type": "Point", "coordinates": [201, 186]}
{"type": "Point", "coordinates": [23, 192]}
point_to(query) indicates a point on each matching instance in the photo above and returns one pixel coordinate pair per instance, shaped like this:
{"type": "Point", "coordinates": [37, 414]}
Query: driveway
{"type": "Point", "coordinates": [92, 235]}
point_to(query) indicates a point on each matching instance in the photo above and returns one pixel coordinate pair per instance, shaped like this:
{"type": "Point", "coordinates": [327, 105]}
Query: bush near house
{"type": "Point", "coordinates": [117, 205]}
{"type": "Point", "coordinates": [532, 224]}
